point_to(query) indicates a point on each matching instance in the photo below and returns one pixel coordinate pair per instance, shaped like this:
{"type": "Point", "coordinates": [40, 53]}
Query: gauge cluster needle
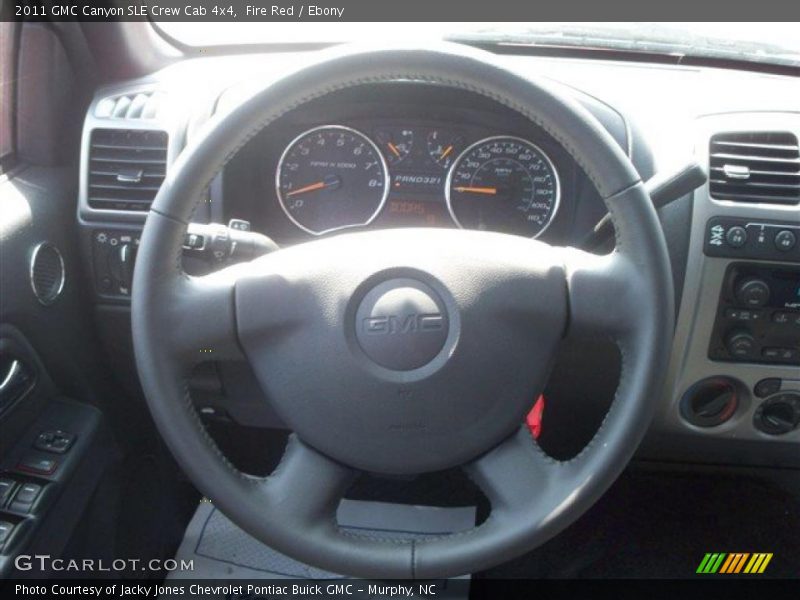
{"type": "Point", "coordinates": [447, 151]}
{"type": "Point", "coordinates": [476, 190]}
{"type": "Point", "coordinates": [309, 188]}
{"type": "Point", "coordinates": [394, 149]}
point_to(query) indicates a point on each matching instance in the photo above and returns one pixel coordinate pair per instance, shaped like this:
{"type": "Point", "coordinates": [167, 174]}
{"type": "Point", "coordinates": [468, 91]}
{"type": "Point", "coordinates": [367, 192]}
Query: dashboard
{"type": "Point", "coordinates": [408, 156]}
{"type": "Point", "coordinates": [412, 155]}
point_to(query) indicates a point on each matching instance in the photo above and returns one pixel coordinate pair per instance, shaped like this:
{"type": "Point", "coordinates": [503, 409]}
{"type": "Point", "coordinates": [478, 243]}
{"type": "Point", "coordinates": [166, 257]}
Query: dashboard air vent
{"type": "Point", "coordinates": [142, 105]}
{"type": "Point", "coordinates": [761, 167]}
{"type": "Point", "coordinates": [126, 168]}
{"type": "Point", "coordinates": [47, 273]}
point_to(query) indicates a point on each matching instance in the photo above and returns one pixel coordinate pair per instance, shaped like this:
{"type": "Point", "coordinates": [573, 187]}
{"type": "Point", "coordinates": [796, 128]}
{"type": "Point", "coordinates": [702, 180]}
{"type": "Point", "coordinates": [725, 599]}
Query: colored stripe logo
{"type": "Point", "coordinates": [734, 563]}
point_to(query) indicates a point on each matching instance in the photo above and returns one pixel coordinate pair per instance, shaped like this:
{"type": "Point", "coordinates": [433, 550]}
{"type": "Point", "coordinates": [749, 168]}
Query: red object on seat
{"type": "Point", "coordinates": [534, 418]}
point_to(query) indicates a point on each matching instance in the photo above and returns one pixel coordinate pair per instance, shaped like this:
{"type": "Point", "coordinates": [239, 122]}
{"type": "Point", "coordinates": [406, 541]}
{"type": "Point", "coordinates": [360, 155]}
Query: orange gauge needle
{"type": "Point", "coordinates": [477, 190]}
{"type": "Point", "coordinates": [308, 188]}
{"type": "Point", "coordinates": [394, 149]}
{"type": "Point", "coordinates": [447, 151]}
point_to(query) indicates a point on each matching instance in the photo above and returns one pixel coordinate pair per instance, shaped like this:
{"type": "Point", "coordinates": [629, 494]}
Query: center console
{"type": "Point", "coordinates": [733, 392]}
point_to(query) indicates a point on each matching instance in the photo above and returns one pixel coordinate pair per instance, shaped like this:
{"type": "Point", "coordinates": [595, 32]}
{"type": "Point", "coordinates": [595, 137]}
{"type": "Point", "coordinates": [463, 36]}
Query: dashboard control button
{"type": "Point", "coordinates": [194, 241]}
{"type": "Point", "coordinates": [779, 353]}
{"type": "Point", "coordinates": [779, 414]}
{"type": "Point", "coordinates": [736, 237]}
{"type": "Point", "coordinates": [785, 240]}
{"type": "Point", "coordinates": [239, 225]}
{"type": "Point", "coordinates": [741, 344]}
{"type": "Point", "coordinates": [780, 317]}
{"type": "Point", "coordinates": [752, 292]}
{"type": "Point", "coordinates": [710, 402]}
{"type": "Point", "coordinates": [742, 314]}
{"type": "Point", "coordinates": [767, 387]}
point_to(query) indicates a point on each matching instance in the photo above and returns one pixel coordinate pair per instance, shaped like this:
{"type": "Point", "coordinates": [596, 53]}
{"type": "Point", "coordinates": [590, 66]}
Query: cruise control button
{"type": "Point", "coordinates": [736, 237]}
{"type": "Point", "coordinates": [785, 240]}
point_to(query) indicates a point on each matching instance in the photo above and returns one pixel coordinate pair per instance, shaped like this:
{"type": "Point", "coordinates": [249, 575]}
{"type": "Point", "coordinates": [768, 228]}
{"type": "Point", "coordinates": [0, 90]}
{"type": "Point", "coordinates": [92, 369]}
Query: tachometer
{"type": "Point", "coordinates": [503, 184]}
{"type": "Point", "coordinates": [331, 177]}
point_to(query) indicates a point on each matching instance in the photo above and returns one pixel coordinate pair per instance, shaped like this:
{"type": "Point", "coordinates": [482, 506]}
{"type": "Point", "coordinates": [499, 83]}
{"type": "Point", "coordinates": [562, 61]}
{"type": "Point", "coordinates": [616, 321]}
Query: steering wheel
{"type": "Point", "coordinates": [404, 351]}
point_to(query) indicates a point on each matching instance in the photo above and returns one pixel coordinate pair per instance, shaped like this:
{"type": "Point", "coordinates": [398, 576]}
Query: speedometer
{"type": "Point", "coordinates": [331, 177]}
{"type": "Point", "coordinates": [503, 184]}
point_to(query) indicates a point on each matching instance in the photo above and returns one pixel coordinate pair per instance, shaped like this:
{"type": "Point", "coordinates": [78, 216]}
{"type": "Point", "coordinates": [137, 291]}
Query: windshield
{"type": "Point", "coordinates": [777, 43]}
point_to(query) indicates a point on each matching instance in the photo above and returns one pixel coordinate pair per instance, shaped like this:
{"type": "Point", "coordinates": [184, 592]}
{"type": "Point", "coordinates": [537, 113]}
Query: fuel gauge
{"type": "Point", "coordinates": [443, 147]}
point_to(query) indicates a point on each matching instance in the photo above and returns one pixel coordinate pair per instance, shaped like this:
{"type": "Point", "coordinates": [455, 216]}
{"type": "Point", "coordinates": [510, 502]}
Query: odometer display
{"type": "Point", "coordinates": [503, 184]}
{"type": "Point", "coordinates": [330, 178]}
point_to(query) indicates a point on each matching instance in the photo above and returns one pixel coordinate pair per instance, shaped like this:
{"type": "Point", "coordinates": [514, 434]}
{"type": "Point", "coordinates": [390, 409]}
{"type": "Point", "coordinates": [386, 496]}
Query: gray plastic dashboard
{"type": "Point", "coordinates": [705, 277]}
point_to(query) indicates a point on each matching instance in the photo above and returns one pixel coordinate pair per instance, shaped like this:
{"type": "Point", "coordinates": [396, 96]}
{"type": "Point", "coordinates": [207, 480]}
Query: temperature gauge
{"type": "Point", "coordinates": [396, 143]}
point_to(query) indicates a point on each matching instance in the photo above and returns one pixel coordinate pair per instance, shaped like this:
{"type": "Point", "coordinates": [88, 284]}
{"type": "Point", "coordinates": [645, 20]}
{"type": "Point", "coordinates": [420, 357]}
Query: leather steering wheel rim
{"type": "Point", "coordinates": [627, 295]}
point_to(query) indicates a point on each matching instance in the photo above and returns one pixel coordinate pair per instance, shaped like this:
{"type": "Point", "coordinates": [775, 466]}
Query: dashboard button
{"type": "Point", "coordinates": [736, 237]}
{"type": "Point", "coordinates": [767, 387]}
{"type": "Point", "coordinates": [779, 353]}
{"type": "Point", "coordinates": [239, 225]}
{"type": "Point", "coordinates": [785, 240]}
{"type": "Point", "coordinates": [780, 317]}
{"type": "Point", "coordinates": [741, 344]}
{"type": "Point", "coordinates": [742, 314]}
{"type": "Point", "coordinates": [752, 292]}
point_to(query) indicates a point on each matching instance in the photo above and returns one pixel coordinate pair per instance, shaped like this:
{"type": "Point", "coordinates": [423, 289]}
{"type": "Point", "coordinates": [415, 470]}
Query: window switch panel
{"type": "Point", "coordinates": [56, 441]}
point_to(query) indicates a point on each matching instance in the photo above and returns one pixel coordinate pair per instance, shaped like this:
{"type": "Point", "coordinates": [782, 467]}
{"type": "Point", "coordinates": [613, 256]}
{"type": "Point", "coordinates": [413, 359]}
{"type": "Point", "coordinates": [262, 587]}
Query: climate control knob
{"type": "Point", "coordinates": [741, 344]}
{"type": "Point", "coordinates": [778, 414]}
{"type": "Point", "coordinates": [752, 292]}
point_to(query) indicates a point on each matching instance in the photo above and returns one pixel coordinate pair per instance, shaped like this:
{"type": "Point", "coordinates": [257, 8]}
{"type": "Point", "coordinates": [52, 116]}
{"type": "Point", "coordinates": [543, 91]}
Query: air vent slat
{"type": "Point", "coordinates": [126, 168]}
{"type": "Point", "coordinates": [135, 161]}
{"type": "Point", "coordinates": [751, 157]}
{"type": "Point", "coordinates": [763, 146]}
{"type": "Point", "coordinates": [759, 184]}
{"type": "Point", "coordinates": [141, 105]}
{"type": "Point", "coordinates": [764, 173]}
{"type": "Point", "coordinates": [759, 167]}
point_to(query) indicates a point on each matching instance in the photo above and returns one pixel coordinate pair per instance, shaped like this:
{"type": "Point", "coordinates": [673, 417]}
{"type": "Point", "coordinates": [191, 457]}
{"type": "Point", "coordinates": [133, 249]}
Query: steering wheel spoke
{"type": "Point", "coordinates": [604, 293]}
{"type": "Point", "coordinates": [514, 476]}
{"type": "Point", "coordinates": [306, 487]}
{"type": "Point", "coordinates": [202, 322]}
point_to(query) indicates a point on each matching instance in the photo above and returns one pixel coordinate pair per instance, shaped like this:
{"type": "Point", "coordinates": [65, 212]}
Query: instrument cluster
{"type": "Point", "coordinates": [393, 174]}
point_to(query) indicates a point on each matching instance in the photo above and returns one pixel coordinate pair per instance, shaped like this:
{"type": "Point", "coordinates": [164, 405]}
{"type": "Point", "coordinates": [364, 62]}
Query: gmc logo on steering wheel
{"type": "Point", "coordinates": [398, 324]}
